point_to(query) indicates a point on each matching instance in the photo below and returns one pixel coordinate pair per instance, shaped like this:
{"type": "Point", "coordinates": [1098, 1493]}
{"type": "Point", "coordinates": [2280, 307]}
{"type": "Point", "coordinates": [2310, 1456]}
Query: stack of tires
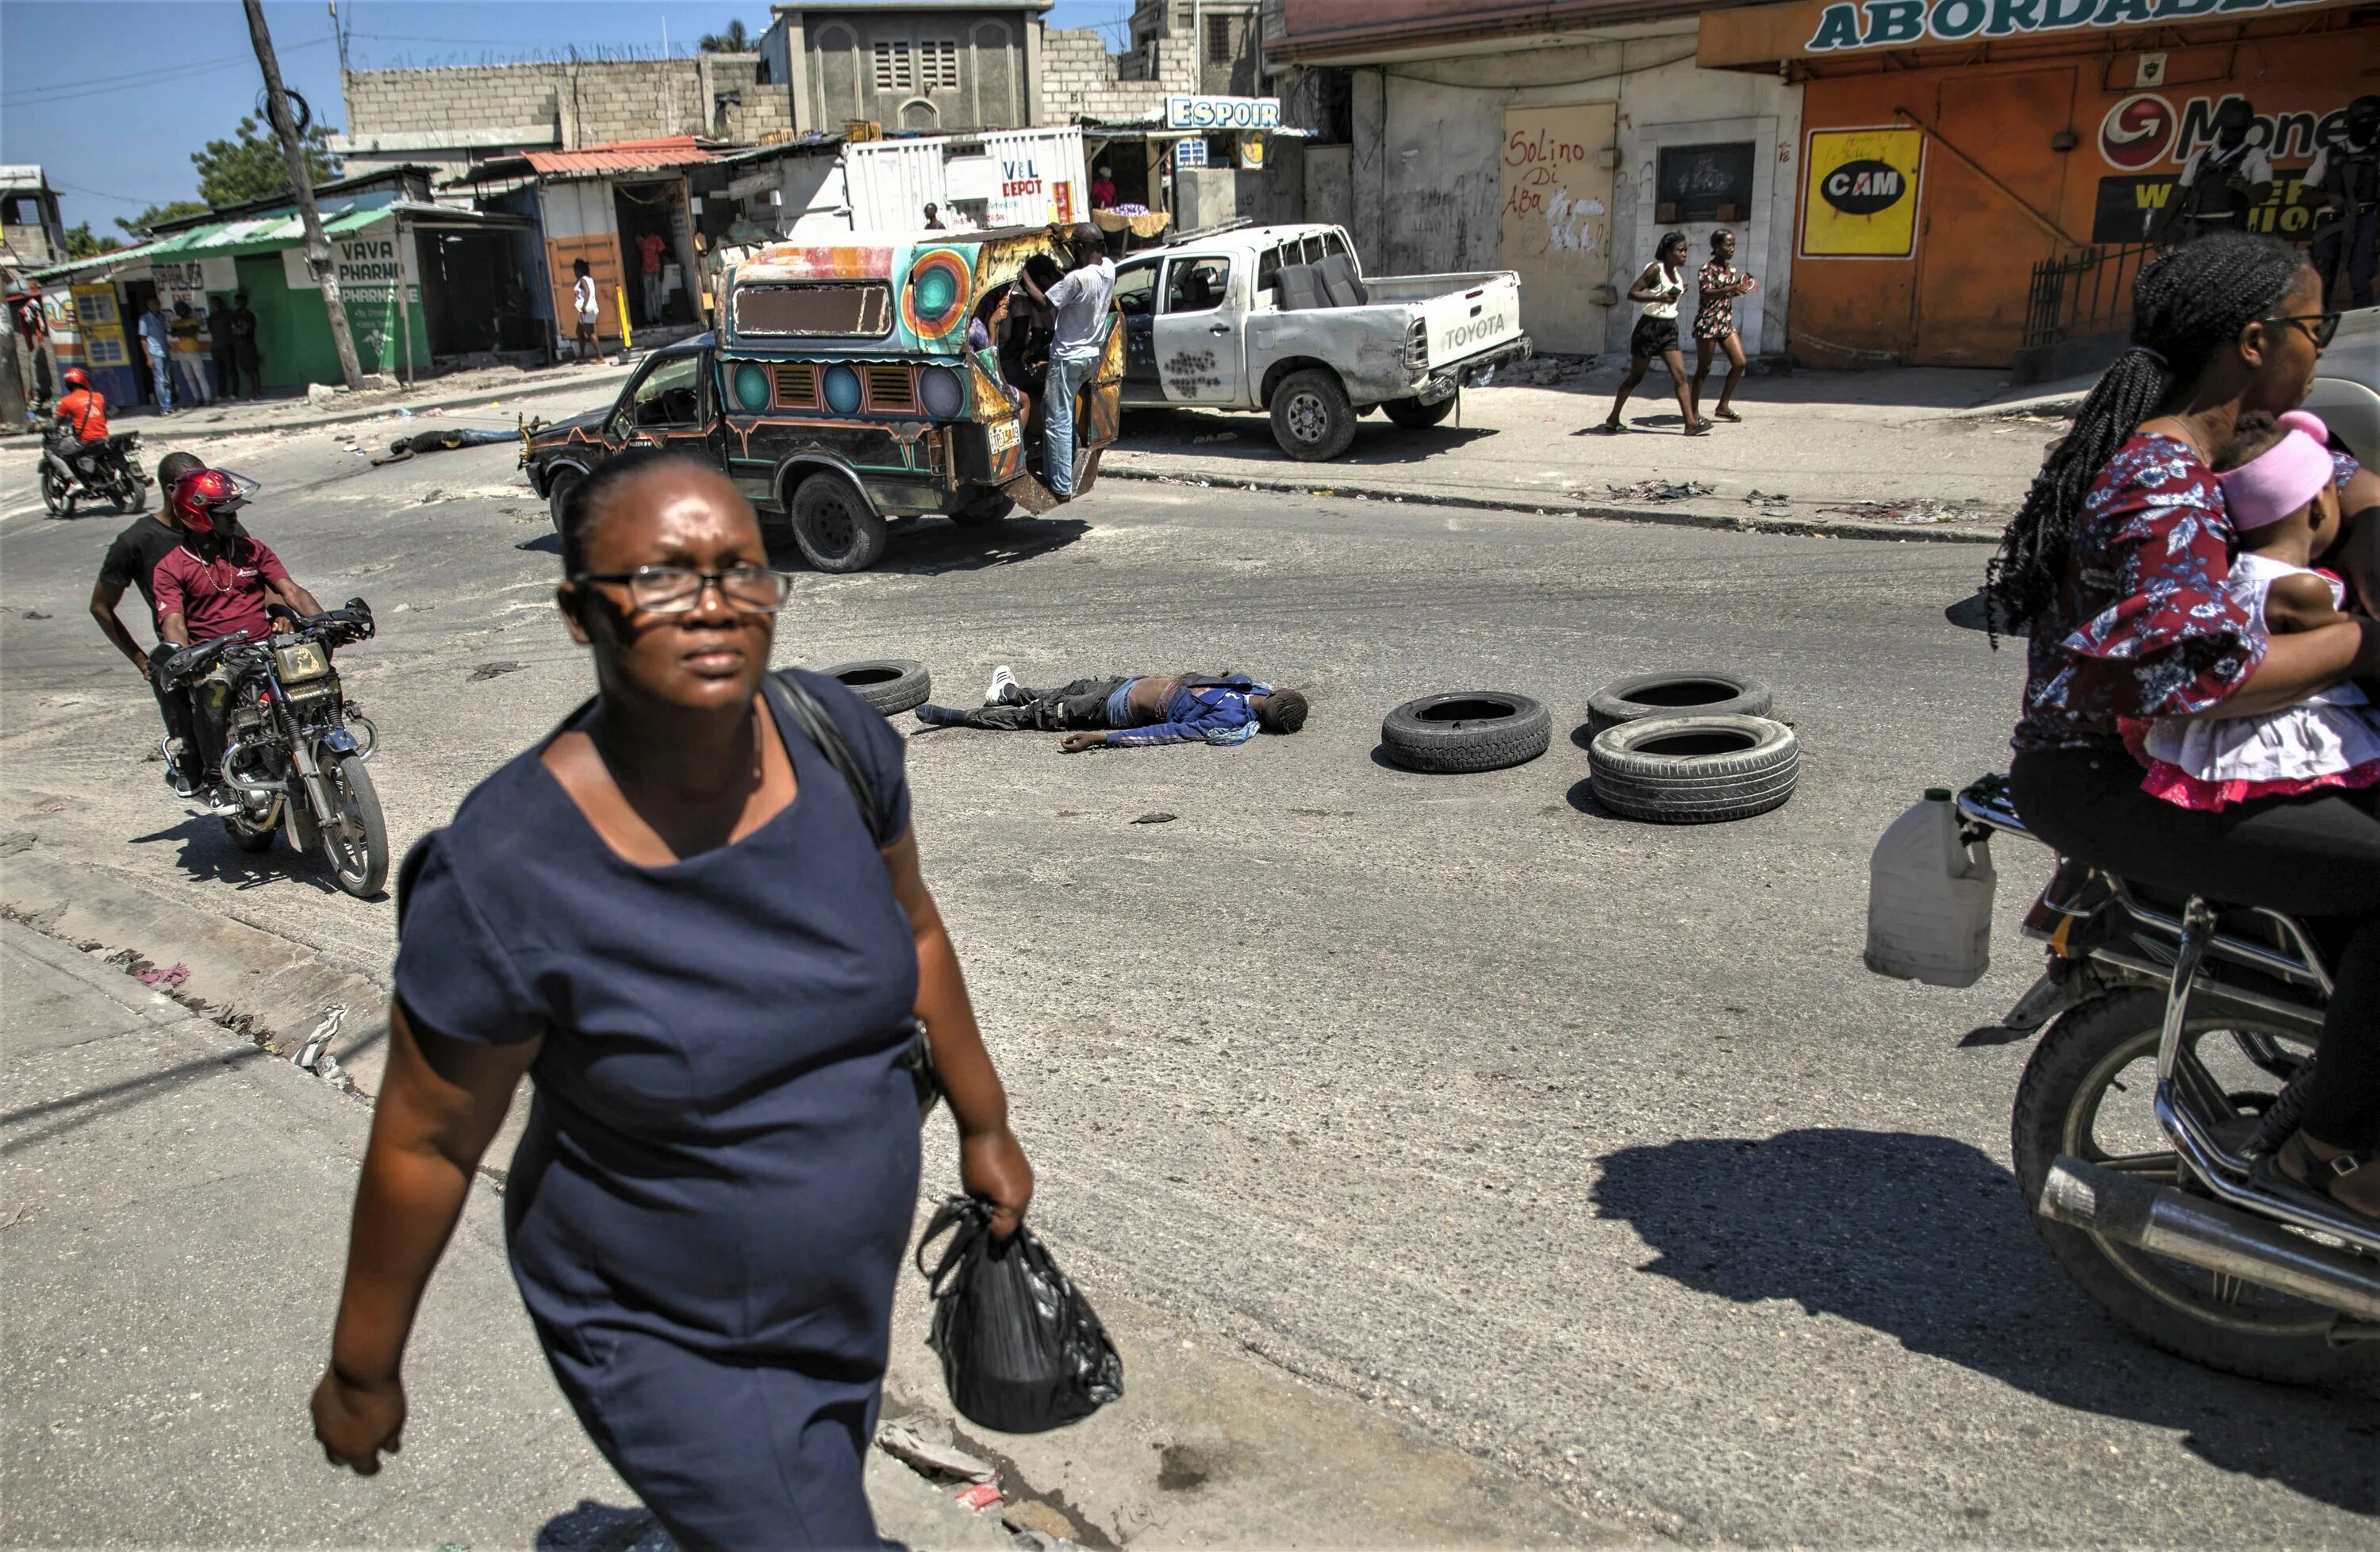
{"type": "Point", "coordinates": [1691, 747]}
{"type": "Point", "coordinates": [1677, 748]}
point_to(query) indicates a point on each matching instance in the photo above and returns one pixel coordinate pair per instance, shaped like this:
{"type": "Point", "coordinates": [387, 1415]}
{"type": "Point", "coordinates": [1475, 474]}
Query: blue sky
{"type": "Point", "coordinates": [111, 98]}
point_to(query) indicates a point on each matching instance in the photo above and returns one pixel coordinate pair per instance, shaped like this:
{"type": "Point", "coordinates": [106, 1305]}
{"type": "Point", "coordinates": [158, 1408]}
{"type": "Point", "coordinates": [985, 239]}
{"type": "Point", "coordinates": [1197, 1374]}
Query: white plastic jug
{"type": "Point", "coordinates": [1929, 898]}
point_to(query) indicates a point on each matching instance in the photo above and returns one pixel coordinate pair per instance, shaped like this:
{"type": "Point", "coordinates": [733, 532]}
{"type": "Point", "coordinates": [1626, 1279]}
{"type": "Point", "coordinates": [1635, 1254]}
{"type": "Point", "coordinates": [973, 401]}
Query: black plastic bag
{"type": "Point", "coordinates": [1022, 1351]}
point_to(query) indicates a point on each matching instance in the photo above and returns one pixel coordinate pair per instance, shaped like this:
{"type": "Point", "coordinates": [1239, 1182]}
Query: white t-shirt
{"type": "Point", "coordinates": [1667, 289]}
{"type": "Point", "coordinates": [1081, 298]}
{"type": "Point", "coordinates": [583, 294]}
{"type": "Point", "coordinates": [2250, 160]}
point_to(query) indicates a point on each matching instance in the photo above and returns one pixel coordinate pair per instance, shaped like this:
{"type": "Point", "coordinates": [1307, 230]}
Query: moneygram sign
{"type": "Point", "coordinates": [2145, 130]}
{"type": "Point", "coordinates": [1915, 23]}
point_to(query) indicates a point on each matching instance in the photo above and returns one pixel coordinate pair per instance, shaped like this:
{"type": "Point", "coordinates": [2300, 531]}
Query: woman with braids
{"type": "Point", "coordinates": [694, 913]}
{"type": "Point", "coordinates": [2118, 562]}
{"type": "Point", "coordinates": [1658, 287]}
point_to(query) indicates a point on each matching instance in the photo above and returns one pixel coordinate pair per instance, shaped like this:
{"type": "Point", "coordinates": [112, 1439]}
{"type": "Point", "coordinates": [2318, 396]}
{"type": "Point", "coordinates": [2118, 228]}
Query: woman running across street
{"type": "Point", "coordinates": [1719, 284]}
{"type": "Point", "coordinates": [1658, 287]}
{"type": "Point", "coordinates": [674, 912]}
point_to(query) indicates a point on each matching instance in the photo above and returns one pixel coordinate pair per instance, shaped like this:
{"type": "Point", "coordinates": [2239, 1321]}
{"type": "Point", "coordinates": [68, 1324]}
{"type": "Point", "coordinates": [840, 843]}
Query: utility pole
{"type": "Point", "coordinates": [302, 184]}
{"type": "Point", "coordinates": [12, 384]}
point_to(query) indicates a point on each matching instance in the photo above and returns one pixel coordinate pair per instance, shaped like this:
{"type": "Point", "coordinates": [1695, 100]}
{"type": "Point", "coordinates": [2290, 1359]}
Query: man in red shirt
{"type": "Point", "coordinates": [217, 581]}
{"type": "Point", "coordinates": [650, 246]}
{"type": "Point", "coordinates": [84, 408]}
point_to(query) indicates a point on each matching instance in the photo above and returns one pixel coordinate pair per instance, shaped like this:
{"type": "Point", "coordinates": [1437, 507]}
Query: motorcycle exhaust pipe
{"type": "Point", "coordinates": [232, 778]}
{"type": "Point", "coordinates": [2163, 1221]}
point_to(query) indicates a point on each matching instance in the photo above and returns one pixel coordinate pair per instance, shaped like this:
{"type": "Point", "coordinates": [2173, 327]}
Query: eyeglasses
{"type": "Point", "coordinates": [664, 590]}
{"type": "Point", "coordinates": [2320, 327]}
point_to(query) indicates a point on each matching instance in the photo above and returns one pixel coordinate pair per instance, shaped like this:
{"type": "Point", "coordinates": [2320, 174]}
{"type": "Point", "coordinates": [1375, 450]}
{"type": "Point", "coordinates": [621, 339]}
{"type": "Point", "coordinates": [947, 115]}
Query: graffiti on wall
{"type": "Point", "coordinates": [1555, 221]}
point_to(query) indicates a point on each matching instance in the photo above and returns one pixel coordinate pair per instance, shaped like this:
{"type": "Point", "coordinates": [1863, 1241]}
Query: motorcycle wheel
{"type": "Point", "coordinates": [2089, 1091]}
{"type": "Point", "coordinates": [57, 493]}
{"type": "Point", "coordinates": [130, 494]}
{"type": "Point", "coordinates": [355, 841]}
{"type": "Point", "coordinates": [249, 837]}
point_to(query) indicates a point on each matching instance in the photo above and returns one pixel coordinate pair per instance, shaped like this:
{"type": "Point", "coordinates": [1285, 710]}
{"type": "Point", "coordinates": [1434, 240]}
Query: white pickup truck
{"type": "Point", "coordinates": [1281, 318]}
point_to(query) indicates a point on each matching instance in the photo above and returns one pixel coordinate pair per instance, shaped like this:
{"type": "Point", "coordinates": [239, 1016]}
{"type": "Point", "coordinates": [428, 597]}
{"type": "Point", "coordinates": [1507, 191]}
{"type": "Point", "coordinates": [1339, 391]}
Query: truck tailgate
{"type": "Point", "coordinates": [1477, 318]}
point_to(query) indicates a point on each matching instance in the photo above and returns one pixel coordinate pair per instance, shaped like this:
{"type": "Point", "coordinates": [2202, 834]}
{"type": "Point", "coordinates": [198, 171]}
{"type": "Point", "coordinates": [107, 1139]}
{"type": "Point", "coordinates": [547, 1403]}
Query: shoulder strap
{"type": "Point", "coordinates": [791, 699]}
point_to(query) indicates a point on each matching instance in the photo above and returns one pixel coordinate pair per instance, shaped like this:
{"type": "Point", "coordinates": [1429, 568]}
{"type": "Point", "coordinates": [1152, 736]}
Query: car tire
{"type": "Point", "coordinates": [891, 685]}
{"type": "Point", "coordinates": [557, 491]}
{"type": "Point", "coordinates": [1690, 691]}
{"type": "Point", "coordinates": [985, 511]}
{"type": "Point", "coordinates": [1413, 415]}
{"type": "Point", "coordinates": [1694, 770]}
{"type": "Point", "coordinates": [1311, 417]}
{"type": "Point", "coordinates": [835, 527]}
{"type": "Point", "coordinates": [1467, 729]}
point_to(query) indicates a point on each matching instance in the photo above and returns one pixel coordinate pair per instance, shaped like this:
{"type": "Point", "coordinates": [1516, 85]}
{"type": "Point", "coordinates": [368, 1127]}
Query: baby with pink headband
{"type": "Point", "coordinates": [2279, 491]}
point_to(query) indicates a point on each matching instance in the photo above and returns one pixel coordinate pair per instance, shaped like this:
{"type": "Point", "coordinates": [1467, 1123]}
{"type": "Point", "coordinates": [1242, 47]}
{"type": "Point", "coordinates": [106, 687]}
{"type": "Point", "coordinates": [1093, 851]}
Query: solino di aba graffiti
{"type": "Point", "coordinates": [1918, 22]}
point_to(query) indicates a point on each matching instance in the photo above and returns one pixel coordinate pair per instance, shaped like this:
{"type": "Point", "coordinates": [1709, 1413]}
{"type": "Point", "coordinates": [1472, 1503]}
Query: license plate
{"type": "Point", "coordinates": [1003, 435]}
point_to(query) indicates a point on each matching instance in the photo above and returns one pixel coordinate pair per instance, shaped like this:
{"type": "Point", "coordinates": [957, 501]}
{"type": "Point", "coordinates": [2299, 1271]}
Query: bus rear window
{"type": "Point", "coordinates": [835, 309]}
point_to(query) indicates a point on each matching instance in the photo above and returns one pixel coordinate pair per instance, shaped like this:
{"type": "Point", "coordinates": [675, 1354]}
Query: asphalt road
{"type": "Point", "coordinates": [1590, 1145]}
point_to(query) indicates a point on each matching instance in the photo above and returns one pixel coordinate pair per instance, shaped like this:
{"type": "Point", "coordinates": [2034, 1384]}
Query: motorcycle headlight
{"type": "Point", "coordinates": [299, 661]}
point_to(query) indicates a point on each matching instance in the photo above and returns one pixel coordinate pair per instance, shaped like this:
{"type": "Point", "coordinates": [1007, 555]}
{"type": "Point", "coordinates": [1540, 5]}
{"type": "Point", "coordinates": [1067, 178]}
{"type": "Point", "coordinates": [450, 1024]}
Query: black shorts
{"type": "Point", "coordinates": [1653, 336]}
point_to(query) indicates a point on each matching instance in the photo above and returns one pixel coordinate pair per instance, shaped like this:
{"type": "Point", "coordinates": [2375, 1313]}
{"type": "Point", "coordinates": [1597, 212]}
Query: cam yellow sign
{"type": "Point", "coordinates": [1859, 192]}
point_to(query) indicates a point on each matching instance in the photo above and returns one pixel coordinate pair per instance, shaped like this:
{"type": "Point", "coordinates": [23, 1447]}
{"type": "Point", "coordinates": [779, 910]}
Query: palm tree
{"type": "Point", "coordinates": [734, 39]}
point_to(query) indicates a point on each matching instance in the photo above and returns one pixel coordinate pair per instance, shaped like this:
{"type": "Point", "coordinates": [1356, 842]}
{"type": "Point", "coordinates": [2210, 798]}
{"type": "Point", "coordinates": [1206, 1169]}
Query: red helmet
{"type": "Point", "coordinates": [75, 377]}
{"type": "Point", "coordinates": [201, 493]}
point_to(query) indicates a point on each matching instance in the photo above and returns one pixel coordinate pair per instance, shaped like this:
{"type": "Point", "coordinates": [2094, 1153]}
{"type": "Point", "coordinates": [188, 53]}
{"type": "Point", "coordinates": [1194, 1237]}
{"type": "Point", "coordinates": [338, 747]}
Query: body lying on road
{"type": "Point", "coordinates": [1117, 713]}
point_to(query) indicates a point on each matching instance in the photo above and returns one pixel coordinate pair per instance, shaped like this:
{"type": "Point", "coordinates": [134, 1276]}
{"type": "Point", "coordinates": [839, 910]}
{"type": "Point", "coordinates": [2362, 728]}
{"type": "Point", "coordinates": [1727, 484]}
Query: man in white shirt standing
{"type": "Point", "coordinates": [582, 297]}
{"type": "Point", "coordinates": [2220, 183]}
{"type": "Point", "coordinates": [1080, 299]}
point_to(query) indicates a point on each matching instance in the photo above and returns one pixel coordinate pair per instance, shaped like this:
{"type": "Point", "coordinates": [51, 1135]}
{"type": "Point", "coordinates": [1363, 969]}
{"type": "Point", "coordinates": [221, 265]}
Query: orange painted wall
{"type": "Point", "coordinates": [1960, 299]}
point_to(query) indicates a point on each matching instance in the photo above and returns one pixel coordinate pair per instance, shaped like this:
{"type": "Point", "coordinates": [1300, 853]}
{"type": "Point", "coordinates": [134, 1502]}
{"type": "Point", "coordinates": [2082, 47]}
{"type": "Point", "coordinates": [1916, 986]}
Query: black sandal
{"type": "Point", "coordinates": [2321, 1173]}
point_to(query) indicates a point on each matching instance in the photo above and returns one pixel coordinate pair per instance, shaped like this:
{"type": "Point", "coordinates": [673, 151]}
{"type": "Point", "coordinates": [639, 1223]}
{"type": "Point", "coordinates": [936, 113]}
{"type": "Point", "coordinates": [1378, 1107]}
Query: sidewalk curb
{"type": "Point", "coordinates": [1682, 518]}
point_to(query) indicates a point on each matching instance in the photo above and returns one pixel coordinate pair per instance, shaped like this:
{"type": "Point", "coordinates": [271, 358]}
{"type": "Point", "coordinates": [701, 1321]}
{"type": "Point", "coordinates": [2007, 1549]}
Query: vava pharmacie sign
{"type": "Point", "coordinates": [1862, 24]}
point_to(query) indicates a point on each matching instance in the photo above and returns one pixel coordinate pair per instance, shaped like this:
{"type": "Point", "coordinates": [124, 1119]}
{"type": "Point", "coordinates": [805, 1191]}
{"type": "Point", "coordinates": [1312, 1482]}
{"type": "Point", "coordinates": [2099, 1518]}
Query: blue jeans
{"type": "Point", "coordinates": [163, 372]}
{"type": "Point", "coordinates": [1065, 379]}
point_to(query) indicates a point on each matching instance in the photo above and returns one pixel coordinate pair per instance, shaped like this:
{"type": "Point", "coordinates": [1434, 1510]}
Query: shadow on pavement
{"type": "Point", "coordinates": [209, 856]}
{"type": "Point", "coordinates": [1243, 437]}
{"type": "Point", "coordinates": [94, 1103]}
{"type": "Point", "coordinates": [1926, 1239]}
{"type": "Point", "coordinates": [930, 548]}
{"type": "Point", "coordinates": [594, 1527]}
{"type": "Point", "coordinates": [1975, 613]}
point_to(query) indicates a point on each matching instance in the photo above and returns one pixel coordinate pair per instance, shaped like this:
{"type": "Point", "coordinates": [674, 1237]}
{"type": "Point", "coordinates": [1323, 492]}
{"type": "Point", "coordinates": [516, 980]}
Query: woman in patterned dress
{"type": "Point", "coordinates": [1720, 284]}
{"type": "Point", "coordinates": [2116, 563]}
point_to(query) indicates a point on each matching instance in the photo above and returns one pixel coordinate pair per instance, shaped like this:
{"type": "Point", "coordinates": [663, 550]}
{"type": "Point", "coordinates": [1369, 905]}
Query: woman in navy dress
{"type": "Point", "coordinates": [671, 913]}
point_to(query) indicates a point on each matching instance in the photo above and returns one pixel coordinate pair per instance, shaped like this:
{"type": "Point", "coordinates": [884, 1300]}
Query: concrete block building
{"type": "Point", "coordinates": [454, 118]}
{"type": "Point", "coordinates": [924, 67]}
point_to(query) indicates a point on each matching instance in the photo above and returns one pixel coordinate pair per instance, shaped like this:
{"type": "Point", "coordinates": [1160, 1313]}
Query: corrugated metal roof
{"type": "Point", "coordinates": [260, 233]}
{"type": "Point", "coordinates": [620, 156]}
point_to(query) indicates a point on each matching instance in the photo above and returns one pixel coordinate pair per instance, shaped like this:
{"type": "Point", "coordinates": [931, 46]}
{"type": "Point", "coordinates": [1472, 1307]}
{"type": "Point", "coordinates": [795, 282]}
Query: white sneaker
{"type": "Point", "coordinates": [1003, 680]}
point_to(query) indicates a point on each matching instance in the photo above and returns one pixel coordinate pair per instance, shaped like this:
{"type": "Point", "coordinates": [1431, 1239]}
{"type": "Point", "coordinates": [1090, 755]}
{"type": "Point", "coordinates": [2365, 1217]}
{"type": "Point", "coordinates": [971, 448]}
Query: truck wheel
{"type": "Point", "coordinates": [1311, 417]}
{"type": "Point", "coordinates": [890, 684]}
{"type": "Point", "coordinates": [1467, 730]}
{"type": "Point", "coordinates": [565, 479]}
{"type": "Point", "coordinates": [985, 510]}
{"type": "Point", "coordinates": [1695, 770]}
{"type": "Point", "coordinates": [835, 527]}
{"type": "Point", "coordinates": [1412, 415]}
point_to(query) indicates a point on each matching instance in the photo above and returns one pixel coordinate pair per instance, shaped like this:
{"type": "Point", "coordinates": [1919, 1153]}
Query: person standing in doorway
{"type": "Point", "coordinates": [934, 217]}
{"type": "Point", "coordinates": [190, 355]}
{"type": "Point", "coordinates": [1658, 287]}
{"type": "Point", "coordinates": [650, 248]}
{"type": "Point", "coordinates": [2345, 183]}
{"type": "Point", "coordinates": [2220, 183]}
{"type": "Point", "coordinates": [582, 301]}
{"type": "Point", "coordinates": [1103, 189]}
{"type": "Point", "coordinates": [157, 343]}
{"type": "Point", "coordinates": [1720, 284]}
{"type": "Point", "coordinates": [225, 351]}
{"type": "Point", "coordinates": [1077, 338]}
{"type": "Point", "coordinates": [245, 346]}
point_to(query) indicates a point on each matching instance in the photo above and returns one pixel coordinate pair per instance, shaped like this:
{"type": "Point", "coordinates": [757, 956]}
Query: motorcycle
{"type": "Point", "coordinates": [105, 469]}
{"type": "Point", "coordinates": [295, 747]}
{"type": "Point", "coordinates": [2179, 1042]}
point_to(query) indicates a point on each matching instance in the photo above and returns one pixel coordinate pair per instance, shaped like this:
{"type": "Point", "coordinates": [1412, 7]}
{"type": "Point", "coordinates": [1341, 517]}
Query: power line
{"type": "Point", "coordinates": [137, 80]}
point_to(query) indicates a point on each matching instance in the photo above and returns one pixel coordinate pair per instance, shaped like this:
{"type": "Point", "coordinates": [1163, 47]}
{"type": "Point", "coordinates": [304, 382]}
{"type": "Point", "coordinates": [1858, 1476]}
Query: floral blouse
{"type": "Point", "coordinates": [2142, 626]}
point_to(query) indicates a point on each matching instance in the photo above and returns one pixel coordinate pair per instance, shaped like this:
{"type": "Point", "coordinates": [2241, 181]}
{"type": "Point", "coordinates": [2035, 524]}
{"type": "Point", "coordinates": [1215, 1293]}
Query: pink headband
{"type": "Point", "coordinates": [2281, 478]}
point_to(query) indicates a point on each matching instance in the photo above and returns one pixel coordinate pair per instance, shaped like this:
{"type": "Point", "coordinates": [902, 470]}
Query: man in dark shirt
{"type": "Point", "coordinates": [1126, 713]}
{"type": "Point", "coordinates": [132, 563]}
